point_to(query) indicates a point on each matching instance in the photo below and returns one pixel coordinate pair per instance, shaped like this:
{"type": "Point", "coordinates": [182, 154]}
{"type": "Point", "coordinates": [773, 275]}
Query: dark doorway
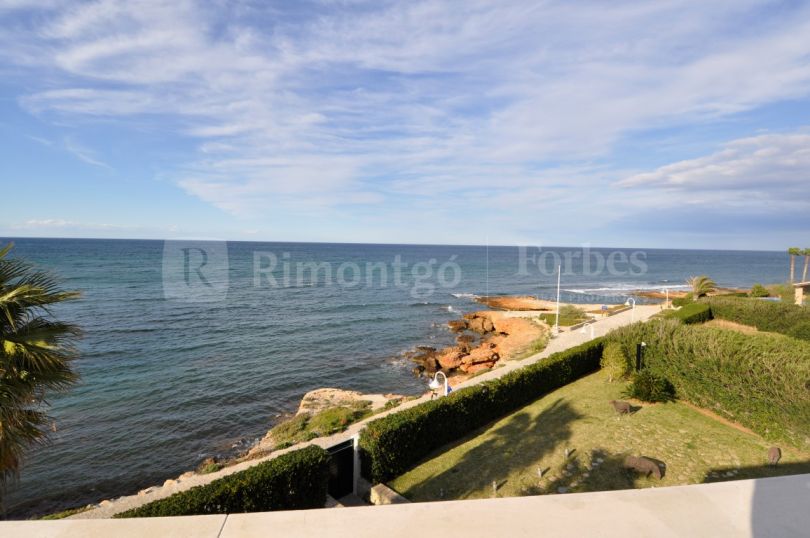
{"type": "Point", "coordinates": [341, 471]}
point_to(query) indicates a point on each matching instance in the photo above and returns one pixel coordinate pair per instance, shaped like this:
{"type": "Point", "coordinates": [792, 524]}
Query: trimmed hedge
{"type": "Point", "coordinates": [683, 301]}
{"type": "Point", "coordinates": [691, 313]}
{"type": "Point", "coordinates": [769, 316]}
{"type": "Point", "coordinates": [801, 331]}
{"type": "Point", "coordinates": [759, 380]}
{"type": "Point", "coordinates": [291, 481]}
{"type": "Point", "coordinates": [393, 444]}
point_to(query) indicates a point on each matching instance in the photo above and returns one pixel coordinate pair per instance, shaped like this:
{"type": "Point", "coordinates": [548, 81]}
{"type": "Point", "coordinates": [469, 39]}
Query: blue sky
{"type": "Point", "coordinates": [649, 124]}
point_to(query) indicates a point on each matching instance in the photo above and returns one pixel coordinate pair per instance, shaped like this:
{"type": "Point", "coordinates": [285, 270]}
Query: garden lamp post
{"type": "Point", "coordinates": [633, 312]}
{"type": "Point", "coordinates": [435, 384]}
{"type": "Point", "coordinates": [639, 354]}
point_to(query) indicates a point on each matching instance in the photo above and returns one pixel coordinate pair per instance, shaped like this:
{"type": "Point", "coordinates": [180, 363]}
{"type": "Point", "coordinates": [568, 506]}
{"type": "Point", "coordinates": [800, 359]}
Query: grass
{"type": "Point", "coordinates": [569, 315]}
{"type": "Point", "coordinates": [304, 427]}
{"type": "Point", "coordinates": [67, 513]}
{"type": "Point", "coordinates": [533, 348]}
{"type": "Point", "coordinates": [504, 459]}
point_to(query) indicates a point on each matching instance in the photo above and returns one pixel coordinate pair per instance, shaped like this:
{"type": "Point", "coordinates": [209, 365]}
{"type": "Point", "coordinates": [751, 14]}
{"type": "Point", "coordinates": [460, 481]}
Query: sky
{"type": "Point", "coordinates": [672, 123]}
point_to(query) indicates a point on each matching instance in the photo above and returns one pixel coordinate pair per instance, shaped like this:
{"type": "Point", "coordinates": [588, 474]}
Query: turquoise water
{"type": "Point", "coordinates": [167, 383]}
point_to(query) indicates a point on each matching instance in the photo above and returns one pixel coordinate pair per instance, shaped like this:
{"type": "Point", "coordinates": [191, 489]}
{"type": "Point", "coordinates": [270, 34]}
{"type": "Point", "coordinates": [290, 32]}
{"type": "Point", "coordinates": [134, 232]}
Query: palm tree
{"type": "Point", "coordinates": [806, 254]}
{"type": "Point", "coordinates": [793, 252]}
{"type": "Point", "coordinates": [701, 285]}
{"type": "Point", "coordinates": [35, 356]}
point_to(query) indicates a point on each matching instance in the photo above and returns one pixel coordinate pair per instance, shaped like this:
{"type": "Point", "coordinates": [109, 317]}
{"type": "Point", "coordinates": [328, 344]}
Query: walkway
{"type": "Point", "coordinates": [563, 341]}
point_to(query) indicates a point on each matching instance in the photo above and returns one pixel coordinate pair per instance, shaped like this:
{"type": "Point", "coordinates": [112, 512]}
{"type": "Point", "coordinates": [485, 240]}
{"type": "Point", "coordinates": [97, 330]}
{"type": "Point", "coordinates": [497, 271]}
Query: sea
{"type": "Point", "coordinates": [194, 349]}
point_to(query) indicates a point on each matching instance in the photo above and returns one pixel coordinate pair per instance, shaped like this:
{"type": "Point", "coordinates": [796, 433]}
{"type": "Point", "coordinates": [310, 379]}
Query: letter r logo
{"type": "Point", "coordinates": [195, 271]}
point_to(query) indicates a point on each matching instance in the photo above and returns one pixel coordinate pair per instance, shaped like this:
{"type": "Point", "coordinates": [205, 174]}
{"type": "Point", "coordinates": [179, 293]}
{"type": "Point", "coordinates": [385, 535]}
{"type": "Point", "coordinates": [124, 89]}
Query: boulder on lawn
{"type": "Point", "coordinates": [643, 465]}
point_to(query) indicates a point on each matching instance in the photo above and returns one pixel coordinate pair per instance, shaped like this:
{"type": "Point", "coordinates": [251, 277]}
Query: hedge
{"type": "Point", "coordinates": [759, 380]}
{"type": "Point", "coordinates": [801, 331]}
{"type": "Point", "coordinates": [291, 481]}
{"type": "Point", "coordinates": [691, 313]}
{"type": "Point", "coordinates": [770, 316]}
{"type": "Point", "coordinates": [393, 444]}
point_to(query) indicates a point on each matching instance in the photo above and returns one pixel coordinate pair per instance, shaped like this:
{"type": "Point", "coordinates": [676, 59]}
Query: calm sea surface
{"type": "Point", "coordinates": [167, 382]}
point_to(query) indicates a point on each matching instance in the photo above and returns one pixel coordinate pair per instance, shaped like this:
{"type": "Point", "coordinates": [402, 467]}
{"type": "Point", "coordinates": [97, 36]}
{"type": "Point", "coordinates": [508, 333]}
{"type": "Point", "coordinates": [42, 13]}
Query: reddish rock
{"type": "Point", "coordinates": [451, 359]}
{"type": "Point", "coordinates": [473, 368]}
{"type": "Point", "coordinates": [480, 355]}
{"type": "Point", "coordinates": [457, 325]}
{"type": "Point", "coordinates": [465, 343]}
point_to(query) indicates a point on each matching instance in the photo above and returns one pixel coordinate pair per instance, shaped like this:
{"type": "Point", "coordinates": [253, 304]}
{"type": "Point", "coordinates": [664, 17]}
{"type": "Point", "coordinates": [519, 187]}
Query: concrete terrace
{"type": "Point", "coordinates": [563, 341]}
{"type": "Point", "coordinates": [757, 508]}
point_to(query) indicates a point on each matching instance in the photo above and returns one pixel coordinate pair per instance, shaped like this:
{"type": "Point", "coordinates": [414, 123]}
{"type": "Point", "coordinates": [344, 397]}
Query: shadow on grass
{"type": "Point", "coordinates": [511, 446]}
{"type": "Point", "coordinates": [723, 474]}
{"type": "Point", "coordinates": [602, 472]}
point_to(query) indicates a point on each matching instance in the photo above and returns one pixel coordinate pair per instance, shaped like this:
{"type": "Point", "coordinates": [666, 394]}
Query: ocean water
{"type": "Point", "coordinates": [171, 377]}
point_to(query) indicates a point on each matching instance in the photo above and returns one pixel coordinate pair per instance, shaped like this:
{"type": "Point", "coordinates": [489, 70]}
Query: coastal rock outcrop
{"type": "Point", "coordinates": [484, 338]}
{"type": "Point", "coordinates": [319, 400]}
{"type": "Point", "coordinates": [457, 325]}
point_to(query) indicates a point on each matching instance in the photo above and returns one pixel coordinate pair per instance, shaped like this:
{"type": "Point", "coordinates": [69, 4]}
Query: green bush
{"type": "Point", "coordinates": [615, 362]}
{"type": "Point", "coordinates": [759, 380]}
{"type": "Point", "coordinates": [649, 387]}
{"type": "Point", "coordinates": [569, 315]}
{"type": "Point", "coordinates": [801, 331]}
{"type": "Point", "coordinates": [685, 300]}
{"type": "Point", "coordinates": [758, 290]}
{"type": "Point", "coordinates": [306, 426]}
{"type": "Point", "coordinates": [691, 313]}
{"type": "Point", "coordinates": [393, 444]}
{"type": "Point", "coordinates": [291, 481]}
{"type": "Point", "coordinates": [769, 316]}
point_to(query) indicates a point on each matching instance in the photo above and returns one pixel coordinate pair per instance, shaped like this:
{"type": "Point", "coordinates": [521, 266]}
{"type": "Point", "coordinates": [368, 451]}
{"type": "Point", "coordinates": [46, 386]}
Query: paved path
{"type": "Point", "coordinates": [561, 342]}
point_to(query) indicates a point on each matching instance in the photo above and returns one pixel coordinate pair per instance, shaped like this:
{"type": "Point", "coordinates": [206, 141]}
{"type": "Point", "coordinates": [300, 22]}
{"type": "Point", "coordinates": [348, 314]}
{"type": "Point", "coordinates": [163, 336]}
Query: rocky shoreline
{"type": "Point", "coordinates": [483, 340]}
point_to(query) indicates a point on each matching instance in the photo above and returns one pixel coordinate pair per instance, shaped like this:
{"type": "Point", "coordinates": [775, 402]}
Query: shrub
{"type": "Point", "coordinates": [759, 380]}
{"type": "Point", "coordinates": [683, 301]}
{"type": "Point", "coordinates": [615, 362]}
{"type": "Point", "coordinates": [569, 315]}
{"type": "Point", "coordinates": [394, 443]}
{"type": "Point", "coordinates": [649, 387]}
{"type": "Point", "coordinates": [766, 316]}
{"type": "Point", "coordinates": [758, 290]}
{"type": "Point", "coordinates": [291, 481]}
{"type": "Point", "coordinates": [305, 426]}
{"type": "Point", "coordinates": [691, 313]}
{"type": "Point", "coordinates": [801, 331]}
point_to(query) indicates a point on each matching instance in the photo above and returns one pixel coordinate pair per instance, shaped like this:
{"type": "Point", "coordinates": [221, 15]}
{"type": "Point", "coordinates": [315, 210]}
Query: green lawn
{"type": "Point", "coordinates": [505, 458]}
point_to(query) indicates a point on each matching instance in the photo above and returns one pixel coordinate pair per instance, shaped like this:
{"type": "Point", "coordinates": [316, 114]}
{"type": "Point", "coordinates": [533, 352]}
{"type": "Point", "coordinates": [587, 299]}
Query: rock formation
{"type": "Point", "coordinates": [774, 455]}
{"type": "Point", "coordinates": [623, 408]}
{"type": "Point", "coordinates": [643, 465]}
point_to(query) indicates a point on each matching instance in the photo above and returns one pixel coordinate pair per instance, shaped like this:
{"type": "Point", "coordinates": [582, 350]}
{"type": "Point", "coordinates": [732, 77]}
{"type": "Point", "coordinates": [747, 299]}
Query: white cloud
{"type": "Point", "coordinates": [413, 98]}
{"type": "Point", "coordinates": [770, 166]}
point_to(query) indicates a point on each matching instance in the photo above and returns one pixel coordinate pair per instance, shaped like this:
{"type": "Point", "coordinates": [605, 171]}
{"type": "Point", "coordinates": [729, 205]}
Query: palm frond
{"type": "Point", "coordinates": [35, 357]}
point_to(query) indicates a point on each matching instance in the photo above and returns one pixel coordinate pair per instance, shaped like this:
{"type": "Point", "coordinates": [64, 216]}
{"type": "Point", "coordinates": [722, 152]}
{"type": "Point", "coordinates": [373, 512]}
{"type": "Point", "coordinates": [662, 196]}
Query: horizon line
{"type": "Point", "coordinates": [379, 244]}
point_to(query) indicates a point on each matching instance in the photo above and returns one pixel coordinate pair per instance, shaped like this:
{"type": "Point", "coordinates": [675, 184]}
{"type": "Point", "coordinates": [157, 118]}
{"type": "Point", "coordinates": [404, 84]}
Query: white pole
{"type": "Point", "coordinates": [356, 462]}
{"type": "Point", "coordinates": [666, 304]}
{"type": "Point", "coordinates": [557, 321]}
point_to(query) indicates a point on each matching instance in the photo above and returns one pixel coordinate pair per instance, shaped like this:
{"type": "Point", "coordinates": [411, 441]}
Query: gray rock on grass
{"type": "Point", "coordinates": [643, 465]}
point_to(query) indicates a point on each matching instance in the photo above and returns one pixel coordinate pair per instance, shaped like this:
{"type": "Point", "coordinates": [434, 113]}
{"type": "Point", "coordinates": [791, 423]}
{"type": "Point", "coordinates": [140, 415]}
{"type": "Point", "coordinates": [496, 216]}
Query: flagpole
{"type": "Point", "coordinates": [557, 321]}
